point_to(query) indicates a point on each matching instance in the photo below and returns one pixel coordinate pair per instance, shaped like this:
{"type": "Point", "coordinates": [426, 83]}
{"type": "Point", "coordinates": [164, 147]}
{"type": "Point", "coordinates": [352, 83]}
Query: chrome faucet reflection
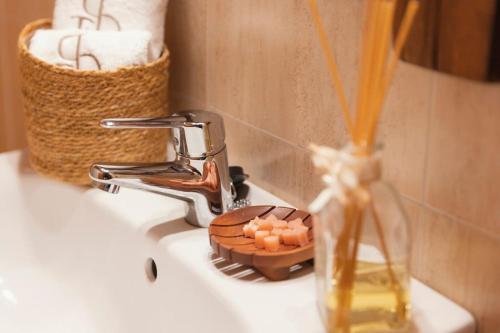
{"type": "Point", "coordinates": [199, 173]}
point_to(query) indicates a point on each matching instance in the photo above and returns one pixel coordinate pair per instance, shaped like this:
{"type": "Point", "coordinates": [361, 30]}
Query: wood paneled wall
{"type": "Point", "coordinates": [459, 37]}
{"type": "Point", "coordinates": [259, 64]}
{"type": "Point", "coordinates": [14, 14]}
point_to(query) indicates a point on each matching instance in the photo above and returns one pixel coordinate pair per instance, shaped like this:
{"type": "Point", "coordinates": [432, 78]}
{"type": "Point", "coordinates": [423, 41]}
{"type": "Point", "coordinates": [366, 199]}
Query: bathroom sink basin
{"type": "Point", "coordinates": [75, 259]}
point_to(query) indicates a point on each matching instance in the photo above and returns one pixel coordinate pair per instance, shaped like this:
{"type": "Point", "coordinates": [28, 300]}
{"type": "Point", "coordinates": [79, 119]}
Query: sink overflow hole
{"type": "Point", "coordinates": [151, 270]}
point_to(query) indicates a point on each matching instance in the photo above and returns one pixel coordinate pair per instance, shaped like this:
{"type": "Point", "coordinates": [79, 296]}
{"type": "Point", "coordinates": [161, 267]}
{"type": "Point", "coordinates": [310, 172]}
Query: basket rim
{"type": "Point", "coordinates": [31, 27]}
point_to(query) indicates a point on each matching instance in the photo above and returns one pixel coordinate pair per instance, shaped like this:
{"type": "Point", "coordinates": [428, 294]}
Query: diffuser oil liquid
{"type": "Point", "coordinates": [377, 304]}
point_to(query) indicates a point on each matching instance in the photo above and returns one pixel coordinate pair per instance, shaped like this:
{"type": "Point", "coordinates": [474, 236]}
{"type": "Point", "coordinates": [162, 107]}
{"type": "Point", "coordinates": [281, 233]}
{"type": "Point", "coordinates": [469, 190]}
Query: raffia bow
{"type": "Point", "coordinates": [342, 174]}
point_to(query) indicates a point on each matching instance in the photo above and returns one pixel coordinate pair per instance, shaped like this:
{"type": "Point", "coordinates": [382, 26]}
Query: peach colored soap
{"type": "Point", "coordinates": [295, 223]}
{"type": "Point", "coordinates": [288, 233]}
{"type": "Point", "coordinates": [265, 225]}
{"type": "Point", "coordinates": [278, 232]}
{"type": "Point", "coordinates": [297, 236]}
{"type": "Point", "coordinates": [259, 238]}
{"type": "Point", "coordinates": [255, 221]}
{"type": "Point", "coordinates": [272, 258]}
{"type": "Point", "coordinates": [280, 224]}
{"type": "Point", "coordinates": [272, 218]}
{"type": "Point", "coordinates": [289, 237]}
{"type": "Point", "coordinates": [250, 229]}
{"type": "Point", "coordinates": [272, 243]}
{"type": "Point", "coordinates": [301, 228]}
{"type": "Point", "coordinates": [302, 238]}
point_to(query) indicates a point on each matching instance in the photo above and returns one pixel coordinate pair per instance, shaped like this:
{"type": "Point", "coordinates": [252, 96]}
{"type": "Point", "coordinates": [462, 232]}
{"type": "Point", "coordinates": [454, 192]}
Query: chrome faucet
{"type": "Point", "coordinates": [199, 174]}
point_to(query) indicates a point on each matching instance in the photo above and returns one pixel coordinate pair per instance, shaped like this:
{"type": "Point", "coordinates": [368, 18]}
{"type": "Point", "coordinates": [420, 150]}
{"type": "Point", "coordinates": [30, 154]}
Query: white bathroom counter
{"type": "Point", "coordinates": [74, 259]}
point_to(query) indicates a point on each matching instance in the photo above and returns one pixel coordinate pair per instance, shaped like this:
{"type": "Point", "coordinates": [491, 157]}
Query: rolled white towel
{"type": "Point", "coordinates": [92, 50]}
{"type": "Point", "coordinates": [114, 15]}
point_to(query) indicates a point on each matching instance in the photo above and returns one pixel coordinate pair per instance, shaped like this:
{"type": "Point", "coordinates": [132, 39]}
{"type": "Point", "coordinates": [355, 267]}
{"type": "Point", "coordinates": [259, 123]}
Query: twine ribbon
{"type": "Point", "coordinates": [343, 174]}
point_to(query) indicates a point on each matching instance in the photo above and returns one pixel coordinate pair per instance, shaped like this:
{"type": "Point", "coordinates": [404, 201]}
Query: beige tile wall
{"type": "Point", "coordinates": [14, 14]}
{"type": "Point", "coordinates": [258, 63]}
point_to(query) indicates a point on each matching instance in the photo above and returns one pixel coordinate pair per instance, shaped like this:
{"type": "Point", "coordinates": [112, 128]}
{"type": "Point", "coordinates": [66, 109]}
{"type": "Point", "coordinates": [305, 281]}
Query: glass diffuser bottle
{"type": "Point", "coordinates": [362, 246]}
{"type": "Point", "coordinates": [361, 229]}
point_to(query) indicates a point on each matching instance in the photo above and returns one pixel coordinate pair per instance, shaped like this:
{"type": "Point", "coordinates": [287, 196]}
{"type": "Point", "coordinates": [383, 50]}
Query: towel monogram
{"type": "Point", "coordinates": [94, 20]}
{"type": "Point", "coordinates": [96, 16]}
{"type": "Point", "coordinates": [77, 57]}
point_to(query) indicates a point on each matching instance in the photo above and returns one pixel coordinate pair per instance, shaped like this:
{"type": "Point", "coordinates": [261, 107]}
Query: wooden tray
{"type": "Point", "coordinates": [227, 241]}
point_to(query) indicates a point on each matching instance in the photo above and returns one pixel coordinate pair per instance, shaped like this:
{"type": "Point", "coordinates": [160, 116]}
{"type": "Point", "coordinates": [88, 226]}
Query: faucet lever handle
{"type": "Point", "coordinates": [197, 133]}
{"type": "Point", "coordinates": [163, 122]}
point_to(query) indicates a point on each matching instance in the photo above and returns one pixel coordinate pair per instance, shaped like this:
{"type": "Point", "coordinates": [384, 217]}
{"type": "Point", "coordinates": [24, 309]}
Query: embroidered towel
{"type": "Point", "coordinates": [117, 15]}
{"type": "Point", "coordinates": [92, 50]}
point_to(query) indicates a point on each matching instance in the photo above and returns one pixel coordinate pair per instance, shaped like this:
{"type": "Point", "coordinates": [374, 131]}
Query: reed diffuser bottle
{"type": "Point", "coordinates": [361, 230]}
{"type": "Point", "coordinates": [362, 246]}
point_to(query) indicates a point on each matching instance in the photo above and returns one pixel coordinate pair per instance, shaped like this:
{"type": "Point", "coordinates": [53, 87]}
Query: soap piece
{"type": "Point", "coordinates": [250, 229]}
{"type": "Point", "coordinates": [295, 223]}
{"type": "Point", "coordinates": [265, 225]}
{"type": "Point", "coordinates": [278, 232]}
{"type": "Point", "coordinates": [288, 233]}
{"type": "Point", "coordinates": [256, 220]}
{"type": "Point", "coordinates": [297, 236]}
{"type": "Point", "coordinates": [272, 218]}
{"type": "Point", "coordinates": [301, 228]}
{"type": "Point", "coordinates": [246, 230]}
{"type": "Point", "coordinates": [302, 238]}
{"type": "Point", "coordinates": [289, 237]}
{"type": "Point", "coordinates": [272, 243]}
{"type": "Point", "coordinates": [259, 238]}
{"type": "Point", "coordinates": [280, 224]}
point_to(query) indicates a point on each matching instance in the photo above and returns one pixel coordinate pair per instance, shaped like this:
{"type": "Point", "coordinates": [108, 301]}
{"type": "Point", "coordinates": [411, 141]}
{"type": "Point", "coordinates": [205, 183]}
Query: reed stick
{"type": "Point", "coordinates": [375, 74]}
{"type": "Point", "coordinates": [379, 63]}
{"type": "Point", "coordinates": [342, 246]}
{"type": "Point", "coordinates": [395, 285]}
{"type": "Point", "coordinates": [345, 301]}
{"type": "Point", "coordinates": [332, 64]}
{"type": "Point", "coordinates": [402, 36]}
{"type": "Point", "coordinates": [340, 261]}
{"type": "Point", "coordinates": [367, 49]}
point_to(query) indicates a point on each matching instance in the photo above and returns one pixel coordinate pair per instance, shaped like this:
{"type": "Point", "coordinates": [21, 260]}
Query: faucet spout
{"type": "Point", "coordinates": [199, 174]}
{"type": "Point", "coordinates": [106, 187]}
{"type": "Point", "coordinates": [204, 191]}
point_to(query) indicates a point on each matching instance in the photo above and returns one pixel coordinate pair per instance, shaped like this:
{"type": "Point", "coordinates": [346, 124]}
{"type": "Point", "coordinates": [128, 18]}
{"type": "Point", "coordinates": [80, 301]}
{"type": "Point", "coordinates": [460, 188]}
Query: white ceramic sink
{"type": "Point", "coordinates": [74, 259]}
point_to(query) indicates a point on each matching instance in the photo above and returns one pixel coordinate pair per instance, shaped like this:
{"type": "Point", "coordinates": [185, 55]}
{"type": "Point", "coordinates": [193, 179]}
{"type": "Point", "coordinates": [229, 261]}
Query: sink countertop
{"type": "Point", "coordinates": [193, 286]}
{"type": "Point", "coordinates": [290, 306]}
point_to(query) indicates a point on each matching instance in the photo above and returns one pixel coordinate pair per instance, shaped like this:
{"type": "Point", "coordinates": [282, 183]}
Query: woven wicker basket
{"type": "Point", "coordinates": [63, 108]}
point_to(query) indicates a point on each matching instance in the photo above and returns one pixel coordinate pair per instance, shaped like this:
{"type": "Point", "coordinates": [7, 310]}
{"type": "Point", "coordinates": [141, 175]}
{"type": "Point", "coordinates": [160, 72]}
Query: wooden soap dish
{"type": "Point", "coordinates": [227, 241]}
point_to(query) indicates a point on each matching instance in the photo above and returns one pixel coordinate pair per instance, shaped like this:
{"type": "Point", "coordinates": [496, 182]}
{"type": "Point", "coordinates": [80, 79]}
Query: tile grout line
{"type": "Point", "coordinates": [452, 218]}
{"type": "Point", "coordinates": [272, 135]}
{"type": "Point", "coordinates": [421, 204]}
{"type": "Point", "coordinates": [431, 110]}
{"type": "Point", "coordinates": [413, 200]}
{"type": "Point", "coordinates": [205, 88]}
